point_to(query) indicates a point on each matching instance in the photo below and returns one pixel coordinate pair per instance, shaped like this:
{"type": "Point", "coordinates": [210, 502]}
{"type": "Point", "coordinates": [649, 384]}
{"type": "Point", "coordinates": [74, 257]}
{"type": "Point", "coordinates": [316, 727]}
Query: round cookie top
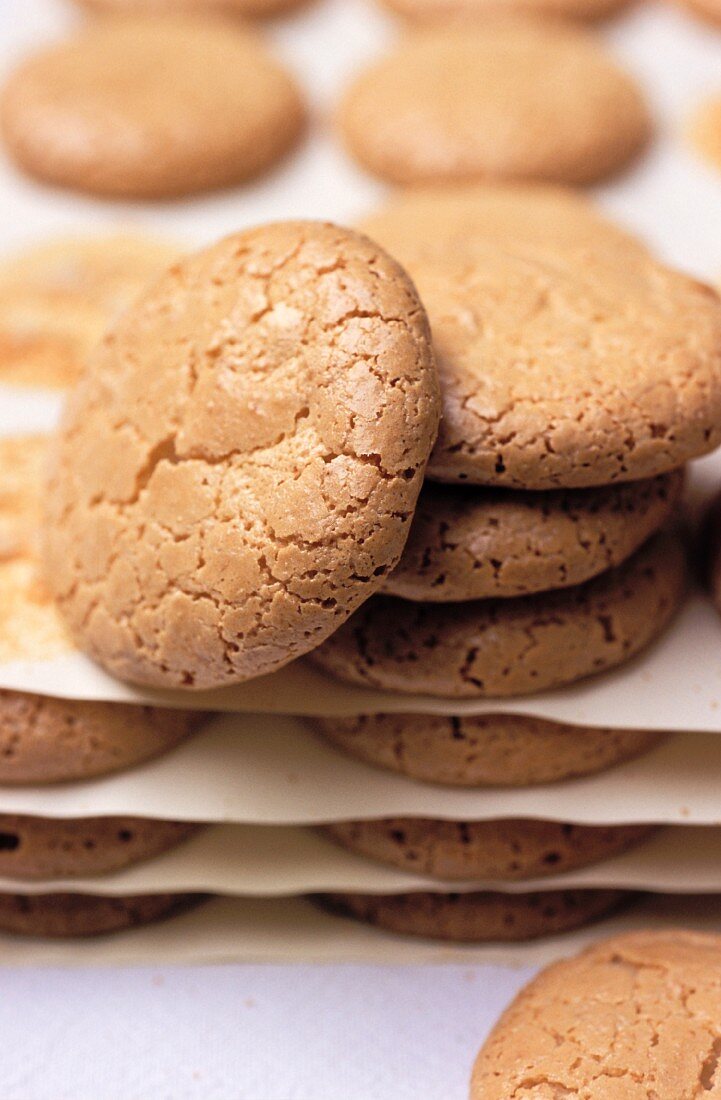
{"type": "Point", "coordinates": [249, 8]}
{"type": "Point", "coordinates": [501, 648]}
{"type": "Point", "coordinates": [502, 98]}
{"type": "Point", "coordinates": [483, 750]}
{"type": "Point", "coordinates": [501, 850]}
{"type": "Point", "coordinates": [46, 740]}
{"type": "Point", "coordinates": [148, 108]}
{"type": "Point", "coordinates": [238, 469]}
{"type": "Point", "coordinates": [57, 299]}
{"type": "Point", "coordinates": [561, 364]}
{"type": "Point", "coordinates": [476, 917]}
{"type": "Point", "coordinates": [639, 1010]}
{"type": "Point", "coordinates": [469, 544]}
{"type": "Point", "coordinates": [36, 848]}
{"type": "Point", "coordinates": [452, 9]}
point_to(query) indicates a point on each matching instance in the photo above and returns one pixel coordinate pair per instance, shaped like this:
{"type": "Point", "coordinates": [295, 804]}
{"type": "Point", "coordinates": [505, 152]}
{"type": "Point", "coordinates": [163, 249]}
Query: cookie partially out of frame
{"type": "Point", "coordinates": [251, 9]}
{"type": "Point", "coordinates": [480, 917]}
{"type": "Point", "coordinates": [428, 10]}
{"type": "Point", "coordinates": [486, 750]}
{"type": "Point", "coordinates": [61, 916]}
{"type": "Point", "coordinates": [505, 648]}
{"type": "Point", "coordinates": [634, 1016]}
{"type": "Point", "coordinates": [36, 848]}
{"type": "Point", "coordinates": [505, 850]}
{"type": "Point", "coordinates": [475, 543]}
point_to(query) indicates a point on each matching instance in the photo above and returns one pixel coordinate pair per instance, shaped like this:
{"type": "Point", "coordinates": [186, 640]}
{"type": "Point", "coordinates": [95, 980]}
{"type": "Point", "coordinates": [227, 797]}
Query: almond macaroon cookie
{"type": "Point", "coordinates": [503, 850]}
{"type": "Point", "coordinates": [501, 648]}
{"type": "Point", "coordinates": [562, 365]}
{"type": "Point", "coordinates": [239, 466]}
{"type": "Point", "coordinates": [252, 9]}
{"type": "Point", "coordinates": [635, 1016]}
{"type": "Point", "coordinates": [484, 750]}
{"type": "Point", "coordinates": [57, 299]}
{"type": "Point", "coordinates": [477, 917]}
{"type": "Point", "coordinates": [36, 848]}
{"type": "Point", "coordinates": [508, 97]}
{"type": "Point", "coordinates": [475, 543]}
{"type": "Point", "coordinates": [121, 110]}
{"type": "Point", "coordinates": [62, 916]}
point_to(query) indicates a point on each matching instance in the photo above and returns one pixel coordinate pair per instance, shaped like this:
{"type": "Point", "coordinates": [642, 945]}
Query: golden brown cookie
{"type": "Point", "coordinates": [503, 850]}
{"type": "Point", "coordinates": [561, 364]}
{"type": "Point", "coordinates": [253, 9]}
{"type": "Point", "coordinates": [45, 740]}
{"type": "Point", "coordinates": [36, 848]}
{"type": "Point", "coordinates": [502, 98]}
{"type": "Point", "coordinates": [148, 108]}
{"type": "Point", "coordinates": [704, 129]}
{"type": "Point", "coordinates": [426, 10]}
{"type": "Point", "coordinates": [66, 915]}
{"type": "Point", "coordinates": [632, 1017]}
{"type": "Point", "coordinates": [486, 750]}
{"type": "Point", "coordinates": [481, 917]}
{"type": "Point", "coordinates": [214, 515]}
{"type": "Point", "coordinates": [475, 543]}
{"type": "Point", "coordinates": [501, 648]}
{"type": "Point", "coordinates": [57, 299]}
{"type": "Point", "coordinates": [708, 10]}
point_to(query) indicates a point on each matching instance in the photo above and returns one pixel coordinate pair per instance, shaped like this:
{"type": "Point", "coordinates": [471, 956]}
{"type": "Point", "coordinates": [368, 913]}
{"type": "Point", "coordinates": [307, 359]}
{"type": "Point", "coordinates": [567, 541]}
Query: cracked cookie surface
{"type": "Point", "coordinates": [486, 750]}
{"type": "Point", "coordinates": [503, 98]}
{"type": "Point", "coordinates": [36, 848]}
{"type": "Point", "coordinates": [478, 917]}
{"type": "Point", "coordinates": [143, 107]}
{"type": "Point", "coordinates": [57, 299]}
{"type": "Point", "coordinates": [633, 1017]}
{"type": "Point", "coordinates": [497, 648]}
{"type": "Point", "coordinates": [474, 543]}
{"type": "Point", "coordinates": [504, 850]}
{"type": "Point", "coordinates": [562, 364]}
{"type": "Point", "coordinates": [238, 469]}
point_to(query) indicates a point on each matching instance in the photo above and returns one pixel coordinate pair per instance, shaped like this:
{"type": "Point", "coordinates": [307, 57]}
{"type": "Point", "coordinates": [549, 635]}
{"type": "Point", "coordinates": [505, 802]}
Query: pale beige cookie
{"type": "Point", "coordinates": [253, 9]}
{"type": "Point", "coordinates": [23, 460]}
{"type": "Point", "coordinates": [36, 848]}
{"type": "Point", "coordinates": [482, 917]}
{"type": "Point", "coordinates": [501, 648]}
{"type": "Point", "coordinates": [635, 1017]}
{"type": "Point", "coordinates": [57, 299]}
{"type": "Point", "coordinates": [46, 740]}
{"type": "Point", "coordinates": [561, 364]}
{"type": "Point", "coordinates": [486, 750]}
{"type": "Point", "coordinates": [426, 10]}
{"type": "Point", "coordinates": [503, 850]}
{"type": "Point", "coordinates": [476, 543]}
{"type": "Point", "coordinates": [214, 515]}
{"type": "Point", "coordinates": [137, 107]}
{"type": "Point", "coordinates": [503, 98]}
{"type": "Point", "coordinates": [67, 915]}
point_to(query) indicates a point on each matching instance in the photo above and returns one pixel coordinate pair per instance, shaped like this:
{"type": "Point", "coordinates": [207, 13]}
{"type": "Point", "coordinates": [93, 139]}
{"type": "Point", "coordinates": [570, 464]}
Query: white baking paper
{"type": "Point", "coordinates": [293, 930]}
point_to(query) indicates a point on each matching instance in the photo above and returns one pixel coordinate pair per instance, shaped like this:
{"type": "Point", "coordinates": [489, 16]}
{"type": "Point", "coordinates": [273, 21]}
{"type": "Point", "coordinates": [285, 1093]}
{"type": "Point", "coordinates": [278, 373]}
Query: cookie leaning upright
{"type": "Point", "coordinates": [238, 469]}
{"type": "Point", "coordinates": [633, 1016]}
{"type": "Point", "coordinates": [507, 97]}
{"type": "Point", "coordinates": [136, 107]}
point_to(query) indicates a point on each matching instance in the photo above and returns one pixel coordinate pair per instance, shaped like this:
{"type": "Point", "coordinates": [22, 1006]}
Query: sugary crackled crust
{"type": "Point", "coordinates": [238, 469]}
{"type": "Point", "coordinates": [562, 364]}
{"type": "Point", "coordinates": [64, 915]}
{"type": "Point", "coordinates": [478, 917]}
{"type": "Point", "coordinates": [637, 1016]}
{"type": "Point", "coordinates": [46, 740]}
{"type": "Point", "coordinates": [483, 750]}
{"type": "Point", "coordinates": [496, 648]}
{"type": "Point", "coordinates": [36, 848]}
{"type": "Point", "coordinates": [469, 544]}
{"type": "Point", "coordinates": [507, 850]}
{"type": "Point", "coordinates": [508, 97]}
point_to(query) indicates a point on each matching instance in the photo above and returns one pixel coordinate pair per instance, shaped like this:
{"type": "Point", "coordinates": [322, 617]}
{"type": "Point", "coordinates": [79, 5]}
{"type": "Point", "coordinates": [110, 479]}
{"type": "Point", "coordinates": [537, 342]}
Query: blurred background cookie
{"type": "Point", "coordinates": [68, 915]}
{"type": "Point", "coordinates": [509, 97]}
{"type": "Point", "coordinates": [122, 111]}
{"type": "Point", "coordinates": [244, 8]}
{"type": "Point", "coordinates": [427, 10]}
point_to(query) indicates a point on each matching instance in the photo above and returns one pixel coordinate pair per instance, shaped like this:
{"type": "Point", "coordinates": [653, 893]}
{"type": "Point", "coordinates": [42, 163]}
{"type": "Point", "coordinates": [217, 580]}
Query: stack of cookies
{"type": "Point", "coordinates": [578, 376]}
